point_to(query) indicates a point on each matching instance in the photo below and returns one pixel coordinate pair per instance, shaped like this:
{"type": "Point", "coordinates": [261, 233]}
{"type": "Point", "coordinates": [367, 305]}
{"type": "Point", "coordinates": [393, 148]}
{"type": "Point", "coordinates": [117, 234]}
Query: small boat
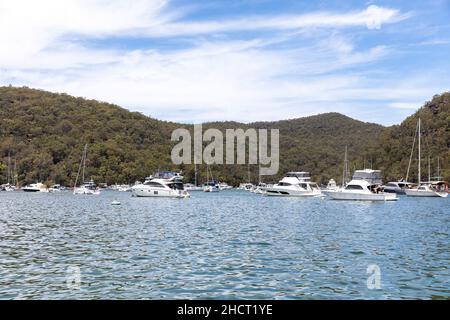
{"type": "Point", "coordinates": [35, 187]}
{"type": "Point", "coordinates": [87, 188]}
{"type": "Point", "coordinates": [365, 186]}
{"type": "Point", "coordinates": [116, 203]}
{"type": "Point", "coordinates": [211, 186]}
{"type": "Point", "coordinates": [124, 188]}
{"type": "Point", "coordinates": [246, 186]}
{"type": "Point", "coordinates": [426, 189]}
{"type": "Point", "coordinates": [56, 188]}
{"type": "Point", "coordinates": [192, 187]}
{"type": "Point", "coordinates": [398, 187]}
{"type": "Point", "coordinates": [162, 184]}
{"type": "Point", "coordinates": [295, 184]}
{"type": "Point", "coordinates": [429, 189]}
{"type": "Point", "coordinates": [224, 186]}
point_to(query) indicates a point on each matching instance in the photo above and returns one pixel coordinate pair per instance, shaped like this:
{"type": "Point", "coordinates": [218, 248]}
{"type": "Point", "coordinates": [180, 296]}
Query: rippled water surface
{"type": "Point", "coordinates": [224, 245]}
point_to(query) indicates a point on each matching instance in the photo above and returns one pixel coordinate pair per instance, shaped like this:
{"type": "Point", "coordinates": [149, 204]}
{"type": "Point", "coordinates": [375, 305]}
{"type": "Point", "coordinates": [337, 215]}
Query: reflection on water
{"type": "Point", "coordinates": [227, 245]}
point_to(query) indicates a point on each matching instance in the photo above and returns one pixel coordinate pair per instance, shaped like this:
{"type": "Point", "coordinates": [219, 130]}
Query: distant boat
{"type": "Point", "coordinates": [87, 188]}
{"type": "Point", "coordinates": [295, 184]}
{"type": "Point", "coordinates": [193, 187]}
{"type": "Point", "coordinates": [246, 186]}
{"type": "Point", "coordinates": [365, 185]}
{"type": "Point", "coordinates": [35, 187]}
{"type": "Point", "coordinates": [398, 187]}
{"type": "Point", "coordinates": [224, 186]}
{"type": "Point", "coordinates": [167, 184]}
{"type": "Point", "coordinates": [56, 188]}
{"type": "Point", "coordinates": [426, 189]}
{"type": "Point", "coordinates": [210, 185]}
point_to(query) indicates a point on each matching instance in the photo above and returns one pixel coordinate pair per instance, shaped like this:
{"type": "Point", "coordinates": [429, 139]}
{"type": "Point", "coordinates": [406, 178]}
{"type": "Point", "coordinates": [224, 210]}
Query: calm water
{"type": "Point", "coordinates": [231, 244]}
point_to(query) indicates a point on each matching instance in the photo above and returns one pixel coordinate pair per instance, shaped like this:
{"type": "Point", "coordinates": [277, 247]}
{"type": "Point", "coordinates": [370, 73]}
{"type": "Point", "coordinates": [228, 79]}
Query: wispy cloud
{"type": "Point", "coordinates": [285, 66]}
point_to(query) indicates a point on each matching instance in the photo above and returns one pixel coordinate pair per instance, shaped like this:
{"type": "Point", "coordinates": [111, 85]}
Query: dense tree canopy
{"type": "Point", "coordinates": [44, 133]}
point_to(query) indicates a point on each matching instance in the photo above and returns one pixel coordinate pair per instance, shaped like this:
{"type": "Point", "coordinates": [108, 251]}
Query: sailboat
{"type": "Point", "coordinates": [426, 189]}
{"type": "Point", "coordinates": [194, 186]}
{"type": "Point", "coordinates": [210, 185]}
{"type": "Point", "coordinates": [87, 188]}
{"type": "Point", "coordinates": [10, 186]}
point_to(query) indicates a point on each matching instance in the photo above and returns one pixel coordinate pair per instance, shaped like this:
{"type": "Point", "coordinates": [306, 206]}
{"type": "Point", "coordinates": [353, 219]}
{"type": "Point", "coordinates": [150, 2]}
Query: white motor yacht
{"type": "Point", "coordinates": [163, 184]}
{"type": "Point", "coordinates": [295, 184]}
{"type": "Point", "coordinates": [365, 185]}
{"type": "Point", "coordinates": [56, 188]}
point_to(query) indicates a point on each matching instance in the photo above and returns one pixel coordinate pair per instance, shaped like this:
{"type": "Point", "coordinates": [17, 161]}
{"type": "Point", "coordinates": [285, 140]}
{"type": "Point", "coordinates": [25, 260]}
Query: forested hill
{"type": "Point", "coordinates": [45, 132]}
{"type": "Point", "coordinates": [393, 149]}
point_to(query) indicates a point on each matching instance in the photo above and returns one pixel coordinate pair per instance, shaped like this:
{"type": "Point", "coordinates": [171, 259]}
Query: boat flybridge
{"type": "Point", "coordinates": [294, 184]}
{"type": "Point", "coordinates": [365, 185]}
{"type": "Point", "coordinates": [167, 184]}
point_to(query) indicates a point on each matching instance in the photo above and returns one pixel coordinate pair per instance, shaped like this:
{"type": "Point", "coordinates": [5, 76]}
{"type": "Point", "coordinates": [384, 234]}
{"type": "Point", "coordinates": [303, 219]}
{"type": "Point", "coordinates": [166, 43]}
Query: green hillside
{"type": "Point", "coordinates": [45, 133]}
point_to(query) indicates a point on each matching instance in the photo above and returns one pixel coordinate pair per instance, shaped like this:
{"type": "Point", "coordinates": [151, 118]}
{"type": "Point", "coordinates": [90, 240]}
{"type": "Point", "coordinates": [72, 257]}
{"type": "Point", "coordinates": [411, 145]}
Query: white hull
{"type": "Point", "coordinates": [291, 192]}
{"type": "Point", "coordinates": [361, 196]}
{"type": "Point", "coordinates": [425, 193]}
{"type": "Point", "coordinates": [159, 193]}
{"type": "Point", "coordinates": [211, 189]}
{"type": "Point", "coordinates": [85, 191]}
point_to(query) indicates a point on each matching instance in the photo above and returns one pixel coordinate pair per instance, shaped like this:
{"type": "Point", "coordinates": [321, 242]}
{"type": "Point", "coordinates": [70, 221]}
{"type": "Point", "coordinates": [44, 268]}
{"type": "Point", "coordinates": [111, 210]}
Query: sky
{"type": "Point", "coordinates": [242, 60]}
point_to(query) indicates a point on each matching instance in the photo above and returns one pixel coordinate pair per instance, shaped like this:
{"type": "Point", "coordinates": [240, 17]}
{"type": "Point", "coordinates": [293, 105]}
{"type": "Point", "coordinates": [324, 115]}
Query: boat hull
{"type": "Point", "coordinates": [159, 193]}
{"type": "Point", "coordinates": [287, 192]}
{"type": "Point", "coordinates": [425, 193]}
{"type": "Point", "coordinates": [340, 195]}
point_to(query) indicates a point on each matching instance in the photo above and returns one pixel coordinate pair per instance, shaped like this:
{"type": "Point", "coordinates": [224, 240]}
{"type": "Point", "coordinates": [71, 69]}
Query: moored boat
{"type": "Point", "coordinates": [364, 186]}
{"type": "Point", "coordinates": [294, 184]}
{"type": "Point", "coordinates": [166, 184]}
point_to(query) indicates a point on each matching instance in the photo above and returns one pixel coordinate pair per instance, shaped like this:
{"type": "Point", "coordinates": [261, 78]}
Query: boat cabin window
{"type": "Point", "coordinates": [153, 184]}
{"type": "Point", "coordinates": [354, 187]}
{"type": "Point", "coordinates": [422, 188]}
{"type": "Point", "coordinates": [284, 184]}
{"type": "Point", "coordinates": [176, 186]}
{"type": "Point", "coordinates": [391, 184]}
{"type": "Point", "coordinates": [304, 185]}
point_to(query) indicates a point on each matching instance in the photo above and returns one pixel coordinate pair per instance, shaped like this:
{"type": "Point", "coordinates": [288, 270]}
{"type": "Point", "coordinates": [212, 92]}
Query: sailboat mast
{"type": "Point", "coordinates": [195, 174]}
{"type": "Point", "coordinates": [344, 173]}
{"type": "Point", "coordinates": [418, 169]}
{"type": "Point", "coordinates": [9, 167]}
{"type": "Point", "coordinates": [438, 171]}
{"type": "Point", "coordinates": [429, 170]}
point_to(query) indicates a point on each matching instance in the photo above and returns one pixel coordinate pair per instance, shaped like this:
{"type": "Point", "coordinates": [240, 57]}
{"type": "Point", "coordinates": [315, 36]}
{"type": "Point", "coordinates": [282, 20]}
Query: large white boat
{"type": "Point", "coordinates": [294, 184]}
{"type": "Point", "coordinates": [35, 187]}
{"type": "Point", "coordinates": [365, 185]}
{"type": "Point", "coordinates": [167, 184]}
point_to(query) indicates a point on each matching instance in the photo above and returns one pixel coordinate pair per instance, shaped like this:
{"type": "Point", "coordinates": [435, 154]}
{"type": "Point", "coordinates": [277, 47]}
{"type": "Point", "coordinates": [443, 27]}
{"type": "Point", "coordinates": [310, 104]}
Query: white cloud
{"type": "Point", "coordinates": [210, 80]}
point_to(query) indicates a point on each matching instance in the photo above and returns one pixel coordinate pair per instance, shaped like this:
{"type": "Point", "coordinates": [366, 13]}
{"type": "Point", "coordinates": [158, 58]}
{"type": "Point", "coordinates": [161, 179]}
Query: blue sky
{"type": "Point", "coordinates": [196, 61]}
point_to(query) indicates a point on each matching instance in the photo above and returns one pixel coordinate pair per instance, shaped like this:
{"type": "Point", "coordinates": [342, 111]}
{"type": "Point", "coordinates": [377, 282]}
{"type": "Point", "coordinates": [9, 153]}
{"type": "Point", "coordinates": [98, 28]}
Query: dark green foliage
{"type": "Point", "coordinates": [45, 133]}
